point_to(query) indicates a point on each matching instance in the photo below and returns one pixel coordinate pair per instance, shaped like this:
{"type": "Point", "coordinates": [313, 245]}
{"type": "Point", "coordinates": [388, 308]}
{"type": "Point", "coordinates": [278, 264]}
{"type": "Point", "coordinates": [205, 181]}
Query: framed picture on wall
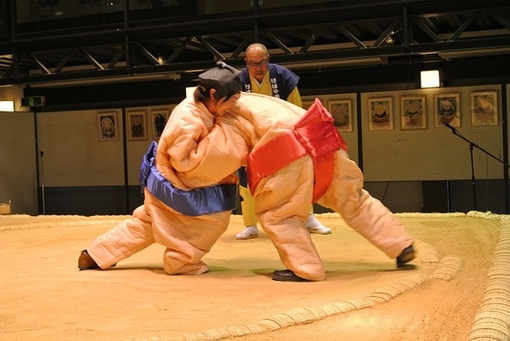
{"type": "Point", "coordinates": [341, 110]}
{"type": "Point", "coordinates": [107, 124]}
{"type": "Point", "coordinates": [158, 122]}
{"type": "Point", "coordinates": [484, 108]}
{"type": "Point", "coordinates": [447, 110]}
{"type": "Point", "coordinates": [380, 112]}
{"type": "Point", "coordinates": [137, 126]}
{"type": "Point", "coordinates": [413, 113]}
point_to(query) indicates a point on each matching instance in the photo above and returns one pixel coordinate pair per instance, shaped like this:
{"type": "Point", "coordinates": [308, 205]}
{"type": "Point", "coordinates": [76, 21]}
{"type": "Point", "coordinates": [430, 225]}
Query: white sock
{"type": "Point", "coordinates": [249, 232]}
{"type": "Point", "coordinates": [252, 228]}
{"type": "Point", "coordinates": [312, 222]}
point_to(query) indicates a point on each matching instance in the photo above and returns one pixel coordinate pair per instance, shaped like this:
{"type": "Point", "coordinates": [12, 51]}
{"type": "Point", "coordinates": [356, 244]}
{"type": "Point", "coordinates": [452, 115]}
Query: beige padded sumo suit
{"type": "Point", "coordinates": [284, 189]}
{"type": "Point", "coordinates": [193, 155]}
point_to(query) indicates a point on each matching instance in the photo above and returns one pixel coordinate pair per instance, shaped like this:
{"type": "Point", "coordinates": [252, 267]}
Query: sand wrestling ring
{"type": "Point", "coordinates": [458, 288]}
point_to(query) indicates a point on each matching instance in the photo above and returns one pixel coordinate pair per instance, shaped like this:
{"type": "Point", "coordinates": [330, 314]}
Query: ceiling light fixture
{"type": "Point", "coordinates": [7, 106]}
{"type": "Point", "coordinates": [430, 79]}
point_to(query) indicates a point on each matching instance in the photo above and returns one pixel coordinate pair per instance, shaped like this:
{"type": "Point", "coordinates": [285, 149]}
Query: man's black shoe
{"type": "Point", "coordinates": [286, 276]}
{"type": "Point", "coordinates": [406, 256]}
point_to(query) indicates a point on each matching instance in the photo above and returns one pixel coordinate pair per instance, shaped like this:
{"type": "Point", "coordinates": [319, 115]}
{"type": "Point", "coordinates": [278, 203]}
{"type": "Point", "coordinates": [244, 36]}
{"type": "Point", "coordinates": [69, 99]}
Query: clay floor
{"type": "Point", "coordinates": [458, 287]}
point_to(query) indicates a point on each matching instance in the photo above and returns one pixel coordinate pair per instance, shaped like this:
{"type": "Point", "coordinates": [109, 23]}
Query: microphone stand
{"type": "Point", "coordinates": [471, 145]}
{"type": "Point", "coordinates": [41, 154]}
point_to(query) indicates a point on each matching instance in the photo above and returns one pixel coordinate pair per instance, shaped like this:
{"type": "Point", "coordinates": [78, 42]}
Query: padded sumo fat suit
{"type": "Point", "coordinates": [193, 153]}
{"type": "Point", "coordinates": [283, 197]}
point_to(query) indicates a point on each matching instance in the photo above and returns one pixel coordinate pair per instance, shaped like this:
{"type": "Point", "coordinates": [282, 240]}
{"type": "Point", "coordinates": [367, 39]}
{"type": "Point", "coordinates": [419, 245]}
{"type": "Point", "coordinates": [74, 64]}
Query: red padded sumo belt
{"type": "Point", "coordinates": [313, 135]}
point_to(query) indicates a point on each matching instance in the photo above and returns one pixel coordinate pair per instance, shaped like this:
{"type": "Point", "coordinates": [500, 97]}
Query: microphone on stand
{"type": "Point", "coordinates": [449, 126]}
